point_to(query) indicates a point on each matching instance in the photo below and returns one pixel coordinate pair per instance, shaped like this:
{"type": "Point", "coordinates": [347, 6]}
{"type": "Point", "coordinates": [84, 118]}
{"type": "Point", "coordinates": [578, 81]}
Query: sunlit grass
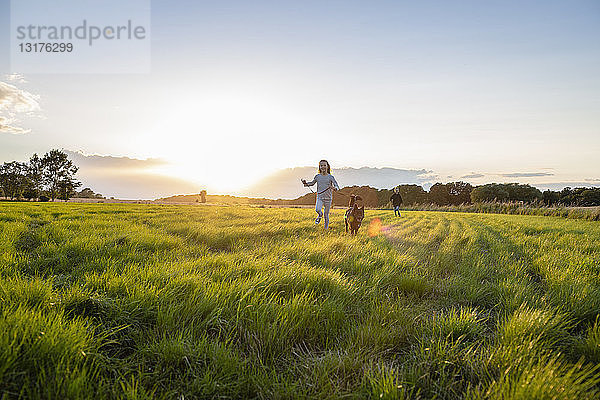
{"type": "Point", "coordinates": [144, 301]}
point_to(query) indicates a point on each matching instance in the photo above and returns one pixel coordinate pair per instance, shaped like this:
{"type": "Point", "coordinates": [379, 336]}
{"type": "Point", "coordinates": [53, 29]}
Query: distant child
{"type": "Point", "coordinates": [396, 200]}
{"type": "Point", "coordinates": [326, 184]}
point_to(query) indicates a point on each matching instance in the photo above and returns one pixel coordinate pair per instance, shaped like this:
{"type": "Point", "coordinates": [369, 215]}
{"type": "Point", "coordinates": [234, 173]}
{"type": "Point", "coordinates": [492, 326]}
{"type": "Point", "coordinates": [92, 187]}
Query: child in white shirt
{"type": "Point", "coordinates": [326, 184]}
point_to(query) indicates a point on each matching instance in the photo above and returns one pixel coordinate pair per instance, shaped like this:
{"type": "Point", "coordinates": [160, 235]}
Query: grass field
{"type": "Point", "coordinates": [181, 302]}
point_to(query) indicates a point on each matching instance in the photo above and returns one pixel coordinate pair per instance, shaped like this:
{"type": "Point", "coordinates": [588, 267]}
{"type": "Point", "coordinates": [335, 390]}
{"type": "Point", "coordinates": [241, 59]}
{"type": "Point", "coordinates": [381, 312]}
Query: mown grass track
{"type": "Point", "coordinates": [138, 301]}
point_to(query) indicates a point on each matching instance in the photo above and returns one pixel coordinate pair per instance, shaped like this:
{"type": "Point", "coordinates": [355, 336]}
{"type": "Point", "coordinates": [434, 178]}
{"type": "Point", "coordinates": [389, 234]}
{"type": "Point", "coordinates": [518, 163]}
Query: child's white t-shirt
{"type": "Point", "coordinates": [324, 183]}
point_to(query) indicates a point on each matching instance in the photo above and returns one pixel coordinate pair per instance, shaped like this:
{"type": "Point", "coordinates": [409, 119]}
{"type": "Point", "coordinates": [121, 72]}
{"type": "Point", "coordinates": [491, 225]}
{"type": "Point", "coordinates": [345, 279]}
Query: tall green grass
{"type": "Point", "coordinates": [153, 301]}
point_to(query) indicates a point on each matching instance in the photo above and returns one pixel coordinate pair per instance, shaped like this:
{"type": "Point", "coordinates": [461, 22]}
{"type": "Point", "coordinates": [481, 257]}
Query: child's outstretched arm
{"type": "Point", "coordinates": [311, 182]}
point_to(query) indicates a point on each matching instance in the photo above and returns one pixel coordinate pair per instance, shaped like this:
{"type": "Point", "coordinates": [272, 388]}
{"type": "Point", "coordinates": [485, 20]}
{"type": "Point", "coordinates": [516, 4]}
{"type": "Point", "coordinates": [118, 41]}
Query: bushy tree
{"type": "Point", "coordinates": [66, 188]}
{"type": "Point", "coordinates": [550, 197]}
{"type": "Point", "coordinates": [383, 197]}
{"type": "Point", "coordinates": [489, 192]}
{"type": "Point", "coordinates": [506, 192]}
{"type": "Point", "coordinates": [589, 197]}
{"type": "Point", "coordinates": [412, 194]}
{"type": "Point", "coordinates": [581, 197]}
{"type": "Point", "coordinates": [13, 179]}
{"type": "Point", "coordinates": [460, 192]}
{"type": "Point", "coordinates": [567, 196]}
{"type": "Point", "coordinates": [525, 193]}
{"type": "Point", "coordinates": [439, 194]}
{"type": "Point", "coordinates": [88, 193]}
{"type": "Point", "coordinates": [35, 170]}
{"type": "Point", "coordinates": [59, 174]}
{"type": "Point", "coordinates": [52, 175]}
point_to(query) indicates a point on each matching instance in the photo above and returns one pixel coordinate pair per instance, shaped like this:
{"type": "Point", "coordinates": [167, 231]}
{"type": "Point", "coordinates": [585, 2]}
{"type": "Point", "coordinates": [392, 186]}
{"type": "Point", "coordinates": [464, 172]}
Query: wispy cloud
{"type": "Point", "coordinates": [14, 101]}
{"type": "Point", "coordinates": [16, 78]}
{"type": "Point", "coordinates": [126, 177]}
{"type": "Point", "coordinates": [472, 175]}
{"type": "Point", "coordinates": [6, 126]}
{"type": "Point", "coordinates": [286, 183]}
{"type": "Point", "coordinates": [104, 162]}
{"type": "Point", "coordinates": [132, 185]}
{"type": "Point", "coordinates": [526, 174]}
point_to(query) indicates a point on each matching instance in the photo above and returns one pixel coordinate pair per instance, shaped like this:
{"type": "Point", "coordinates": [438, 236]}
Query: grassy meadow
{"type": "Point", "coordinates": [184, 302]}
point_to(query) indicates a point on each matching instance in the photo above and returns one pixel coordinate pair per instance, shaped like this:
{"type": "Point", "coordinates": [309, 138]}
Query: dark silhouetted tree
{"type": "Point", "coordinates": [439, 194]}
{"type": "Point", "coordinates": [13, 179]}
{"type": "Point", "coordinates": [59, 174]}
{"type": "Point", "coordinates": [525, 193]}
{"type": "Point", "coordinates": [34, 178]}
{"type": "Point", "coordinates": [550, 197]}
{"type": "Point", "coordinates": [589, 197]}
{"type": "Point", "coordinates": [489, 192]}
{"type": "Point", "coordinates": [66, 188]}
{"type": "Point", "coordinates": [567, 196]}
{"type": "Point", "coordinates": [506, 192]}
{"type": "Point", "coordinates": [383, 197]}
{"type": "Point", "coordinates": [453, 193]}
{"type": "Point", "coordinates": [460, 192]}
{"type": "Point", "coordinates": [87, 193]}
{"type": "Point", "coordinates": [412, 194]}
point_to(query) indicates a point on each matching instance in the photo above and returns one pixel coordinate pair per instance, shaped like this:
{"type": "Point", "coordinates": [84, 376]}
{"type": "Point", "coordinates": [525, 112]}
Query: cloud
{"type": "Point", "coordinates": [103, 162]}
{"type": "Point", "coordinates": [286, 184]}
{"type": "Point", "coordinates": [15, 101]}
{"type": "Point", "coordinates": [6, 126]}
{"type": "Point", "coordinates": [126, 177]}
{"type": "Point", "coordinates": [472, 175]}
{"type": "Point", "coordinates": [137, 185]}
{"type": "Point", "coordinates": [526, 174]}
{"type": "Point", "coordinates": [16, 78]}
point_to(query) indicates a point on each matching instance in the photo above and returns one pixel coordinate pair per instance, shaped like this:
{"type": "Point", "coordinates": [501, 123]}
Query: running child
{"type": "Point", "coordinates": [396, 200]}
{"type": "Point", "coordinates": [326, 184]}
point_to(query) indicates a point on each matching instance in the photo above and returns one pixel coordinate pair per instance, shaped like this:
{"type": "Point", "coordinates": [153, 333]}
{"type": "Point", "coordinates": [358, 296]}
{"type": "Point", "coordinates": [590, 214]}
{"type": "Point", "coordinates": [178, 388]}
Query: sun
{"type": "Point", "coordinates": [226, 141]}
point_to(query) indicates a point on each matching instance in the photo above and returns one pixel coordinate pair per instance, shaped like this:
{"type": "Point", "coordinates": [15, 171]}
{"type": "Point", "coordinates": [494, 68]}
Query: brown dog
{"type": "Point", "coordinates": [354, 214]}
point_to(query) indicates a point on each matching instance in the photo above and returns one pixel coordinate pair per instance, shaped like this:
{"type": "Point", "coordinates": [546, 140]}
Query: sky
{"type": "Point", "coordinates": [494, 91]}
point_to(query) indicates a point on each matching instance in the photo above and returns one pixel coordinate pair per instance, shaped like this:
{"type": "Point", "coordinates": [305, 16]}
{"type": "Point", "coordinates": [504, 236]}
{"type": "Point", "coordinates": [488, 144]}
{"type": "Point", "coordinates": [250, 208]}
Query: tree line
{"type": "Point", "coordinates": [453, 194]}
{"type": "Point", "coordinates": [52, 176]}
{"type": "Point", "coordinates": [49, 177]}
{"type": "Point", "coordinates": [456, 193]}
